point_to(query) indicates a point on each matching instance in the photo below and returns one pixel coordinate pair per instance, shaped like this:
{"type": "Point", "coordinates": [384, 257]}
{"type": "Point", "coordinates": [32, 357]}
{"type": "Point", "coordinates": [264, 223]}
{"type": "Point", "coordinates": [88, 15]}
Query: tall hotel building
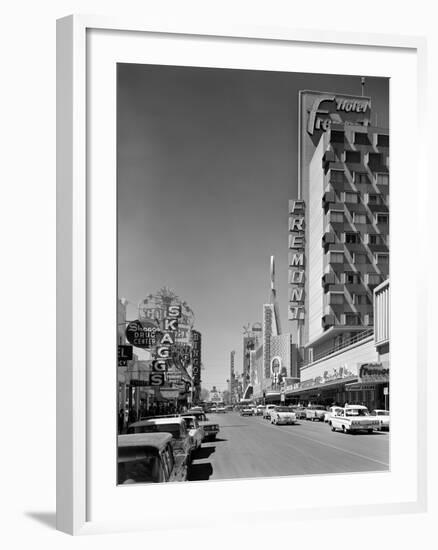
{"type": "Point", "coordinates": [339, 249]}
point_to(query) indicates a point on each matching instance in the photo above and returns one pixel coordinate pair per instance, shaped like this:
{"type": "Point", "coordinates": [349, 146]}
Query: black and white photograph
{"type": "Point", "coordinates": [252, 274]}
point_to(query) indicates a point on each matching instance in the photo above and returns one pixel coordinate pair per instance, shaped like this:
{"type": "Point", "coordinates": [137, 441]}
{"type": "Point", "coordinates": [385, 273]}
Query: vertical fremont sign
{"type": "Point", "coordinates": [296, 259]}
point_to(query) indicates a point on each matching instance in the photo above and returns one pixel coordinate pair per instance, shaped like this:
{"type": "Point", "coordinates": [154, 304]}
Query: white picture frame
{"type": "Point", "coordinates": [76, 211]}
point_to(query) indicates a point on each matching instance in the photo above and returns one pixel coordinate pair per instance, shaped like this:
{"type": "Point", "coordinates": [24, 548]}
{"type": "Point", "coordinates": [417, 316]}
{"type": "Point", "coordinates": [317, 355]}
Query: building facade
{"type": "Point", "coordinates": [339, 248]}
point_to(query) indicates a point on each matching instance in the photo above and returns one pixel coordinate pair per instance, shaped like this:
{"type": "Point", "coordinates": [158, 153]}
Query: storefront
{"type": "Point", "coordinates": [370, 387]}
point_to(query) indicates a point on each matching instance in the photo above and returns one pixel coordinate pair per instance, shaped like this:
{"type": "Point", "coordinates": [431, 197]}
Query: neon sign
{"type": "Point", "coordinates": [347, 105]}
{"type": "Point", "coordinates": [296, 259]}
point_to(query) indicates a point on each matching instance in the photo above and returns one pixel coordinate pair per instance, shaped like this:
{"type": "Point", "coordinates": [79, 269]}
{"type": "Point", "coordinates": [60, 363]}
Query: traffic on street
{"type": "Point", "coordinates": [232, 444]}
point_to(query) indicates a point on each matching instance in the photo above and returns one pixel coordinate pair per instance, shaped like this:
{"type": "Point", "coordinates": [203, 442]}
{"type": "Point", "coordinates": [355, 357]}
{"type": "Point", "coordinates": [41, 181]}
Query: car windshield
{"type": "Point", "coordinates": [146, 470]}
{"type": "Point", "coordinates": [172, 429]}
{"type": "Point", "coordinates": [383, 413]}
{"type": "Point", "coordinates": [356, 412]}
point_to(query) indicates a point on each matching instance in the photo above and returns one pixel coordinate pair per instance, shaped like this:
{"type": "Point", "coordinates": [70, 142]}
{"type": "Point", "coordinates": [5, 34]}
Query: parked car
{"type": "Point", "coordinates": [175, 425]}
{"type": "Point", "coordinates": [283, 415]}
{"type": "Point", "coordinates": [247, 411]}
{"type": "Point", "coordinates": [195, 409]}
{"type": "Point", "coordinates": [331, 412]}
{"type": "Point", "coordinates": [267, 411]}
{"type": "Point", "coordinates": [196, 432]}
{"type": "Point", "coordinates": [315, 412]}
{"type": "Point", "coordinates": [300, 412]}
{"type": "Point", "coordinates": [221, 410]}
{"type": "Point", "coordinates": [210, 429]}
{"type": "Point", "coordinates": [383, 417]}
{"type": "Point", "coordinates": [259, 410]}
{"type": "Point", "coordinates": [148, 458]}
{"type": "Point", "coordinates": [354, 418]}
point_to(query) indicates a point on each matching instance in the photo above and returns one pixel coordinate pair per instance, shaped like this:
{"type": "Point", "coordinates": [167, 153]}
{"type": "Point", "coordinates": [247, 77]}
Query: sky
{"type": "Point", "coordinates": [206, 164]}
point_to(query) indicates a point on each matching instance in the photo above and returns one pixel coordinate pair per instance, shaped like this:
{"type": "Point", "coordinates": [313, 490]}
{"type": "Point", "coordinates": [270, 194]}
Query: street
{"type": "Point", "coordinates": [249, 446]}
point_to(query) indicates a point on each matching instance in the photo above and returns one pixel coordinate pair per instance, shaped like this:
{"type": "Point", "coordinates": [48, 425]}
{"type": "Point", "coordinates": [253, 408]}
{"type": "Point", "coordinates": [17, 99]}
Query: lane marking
{"type": "Point", "coordinates": [333, 446]}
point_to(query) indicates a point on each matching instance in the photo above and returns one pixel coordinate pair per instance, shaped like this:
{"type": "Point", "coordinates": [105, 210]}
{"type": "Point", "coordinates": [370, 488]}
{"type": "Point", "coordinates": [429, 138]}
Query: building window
{"type": "Point", "coordinates": [376, 239]}
{"type": "Point", "coordinates": [375, 159]}
{"type": "Point", "coordinates": [382, 258]}
{"type": "Point", "coordinates": [336, 299]}
{"type": "Point", "coordinates": [382, 140]}
{"type": "Point", "coordinates": [337, 176]}
{"type": "Point", "coordinates": [351, 278]}
{"type": "Point", "coordinates": [382, 179]}
{"type": "Point", "coordinates": [336, 257]}
{"type": "Point", "coordinates": [352, 156]}
{"type": "Point", "coordinates": [382, 218]}
{"type": "Point", "coordinates": [373, 279]}
{"type": "Point", "coordinates": [369, 319]}
{"type": "Point", "coordinates": [336, 217]}
{"type": "Point", "coordinates": [361, 138]}
{"type": "Point", "coordinates": [351, 197]}
{"type": "Point", "coordinates": [361, 177]}
{"type": "Point", "coordinates": [361, 300]}
{"type": "Point", "coordinates": [352, 238]}
{"type": "Point", "coordinates": [352, 319]}
{"type": "Point", "coordinates": [375, 199]}
{"type": "Point", "coordinates": [359, 258]}
{"type": "Point", "coordinates": [336, 136]}
{"type": "Point", "coordinates": [359, 218]}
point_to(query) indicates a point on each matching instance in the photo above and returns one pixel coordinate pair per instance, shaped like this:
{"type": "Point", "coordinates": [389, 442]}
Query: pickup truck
{"type": "Point", "coordinates": [353, 418]}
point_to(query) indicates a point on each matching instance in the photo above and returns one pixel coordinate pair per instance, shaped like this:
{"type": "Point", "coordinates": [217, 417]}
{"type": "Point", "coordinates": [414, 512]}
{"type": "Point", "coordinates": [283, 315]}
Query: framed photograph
{"type": "Point", "coordinates": [238, 298]}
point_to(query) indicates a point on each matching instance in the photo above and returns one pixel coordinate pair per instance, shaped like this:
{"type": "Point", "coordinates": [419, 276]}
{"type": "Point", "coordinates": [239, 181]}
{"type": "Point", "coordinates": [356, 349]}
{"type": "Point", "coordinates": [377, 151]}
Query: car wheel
{"type": "Point", "coordinates": [333, 428]}
{"type": "Point", "coordinates": [344, 429]}
{"type": "Point", "coordinates": [370, 430]}
{"type": "Point", "coordinates": [330, 423]}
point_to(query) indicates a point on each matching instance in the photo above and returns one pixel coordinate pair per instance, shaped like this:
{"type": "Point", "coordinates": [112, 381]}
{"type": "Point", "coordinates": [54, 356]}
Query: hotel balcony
{"type": "Point", "coordinates": [328, 238]}
{"type": "Point", "coordinates": [328, 279]}
{"type": "Point", "coordinates": [378, 208]}
{"type": "Point", "coordinates": [327, 321]}
{"type": "Point", "coordinates": [328, 200]}
{"type": "Point", "coordinates": [328, 157]}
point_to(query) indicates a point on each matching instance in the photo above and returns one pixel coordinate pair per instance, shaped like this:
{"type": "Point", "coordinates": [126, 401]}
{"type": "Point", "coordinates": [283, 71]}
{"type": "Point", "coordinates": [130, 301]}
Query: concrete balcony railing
{"type": "Point", "coordinates": [359, 337]}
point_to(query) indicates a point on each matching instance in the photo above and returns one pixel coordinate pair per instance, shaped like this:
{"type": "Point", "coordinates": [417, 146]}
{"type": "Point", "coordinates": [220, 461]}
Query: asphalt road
{"type": "Point", "coordinates": [249, 447]}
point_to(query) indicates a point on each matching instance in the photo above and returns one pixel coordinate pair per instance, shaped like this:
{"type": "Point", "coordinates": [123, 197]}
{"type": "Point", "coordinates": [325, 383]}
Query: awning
{"type": "Point", "coordinates": [325, 385]}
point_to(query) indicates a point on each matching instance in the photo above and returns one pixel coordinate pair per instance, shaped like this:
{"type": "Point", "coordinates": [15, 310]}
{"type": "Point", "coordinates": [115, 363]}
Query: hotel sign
{"type": "Point", "coordinates": [296, 259]}
{"type": "Point", "coordinates": [327, 108]}
{"type": "Point", "coordinates": [373, 372]}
